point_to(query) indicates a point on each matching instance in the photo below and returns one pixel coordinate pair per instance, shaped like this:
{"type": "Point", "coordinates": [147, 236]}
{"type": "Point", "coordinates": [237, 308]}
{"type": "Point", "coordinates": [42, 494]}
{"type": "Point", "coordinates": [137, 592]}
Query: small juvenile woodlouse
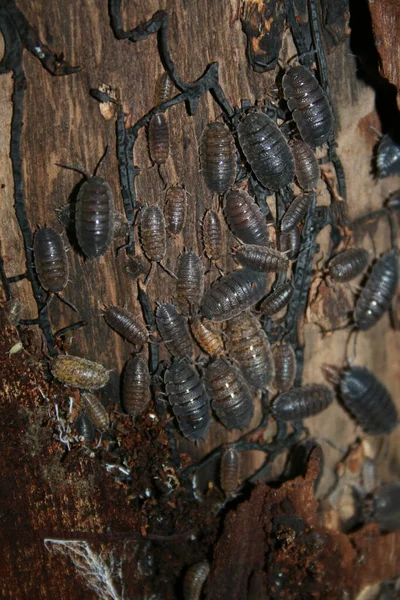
{"type": "Point", "coordinates": [229, 471]}
{"type": "Point", "coordinates": [261, 258]}
{"type": "Point", "coordinates": [218, 157]}
{"type": "Point", "coordinates": [386, 506]}
{"type": "Point", "coordinates": [245, 218]}
{"type": "Point", "coordinates": [378, 292]}
{"type": "Point", "coordinates": [251, 350]}
{"type": "Point", "coordinates": [50, 260]}
{"type": "Point", "coordinates": [175, 209]}
{"type": "Point", "coordinates": [158, 132]}
{"type": "Point", "coordinates": [233, 293]}
{"type": "Point", "coordinates": [277, 300]}
{"type": "Point", "coordinates": [296, 211]}
{"type": "Point", "coordinates": [79, 372]}
{"type": "Point", "coordinates": [189, 399]}
{"type": "Point", "coordinates": [95, 410]}
{"type": "Point", "coordinates": [194, 579]}
{"type": "Point", "coordinates": [365, 397]}
{"type": "Point", "coordinates": [212, 235]}
{"type": "Point", "coordinates": [153, 232]}
{"type": "Point", "coordinates": [231, 399]}
{"type": "Point", "coordinates": [289, 243]}
{"type": "Point", "coordinates": [174, 330]}
{"type": "Point", "coordinates": [14, 309]}
{"type": "Point", "coordinates": [348, 264]}
{"type": "Point", "coordinates": [266, 151]}
{"type": "Point", "coordinates": [190, 282]}
{"type": "Point", "coordinates": [85, 428]}
{"type": "Point", "coordinates": [305, 165]}
{"type": "Point", "coordinates": [303, 402]}
{"type": "Point", "coordinates": [126, 324]}
{"type": "Point", "coordinates": [309, 105]}
{"type": "Point", "coordinates": [136, 394]}
{"type": "Point", "coordinates": [285, 366]}
{"type": "Point", "coordinates": [206, 336]}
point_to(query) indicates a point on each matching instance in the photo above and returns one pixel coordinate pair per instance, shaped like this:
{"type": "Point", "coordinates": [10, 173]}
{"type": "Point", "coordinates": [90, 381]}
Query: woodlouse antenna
{"type": "Point", "coordinates": [102, 162]}
{"type": "Point", "coordinates": [75, 168]}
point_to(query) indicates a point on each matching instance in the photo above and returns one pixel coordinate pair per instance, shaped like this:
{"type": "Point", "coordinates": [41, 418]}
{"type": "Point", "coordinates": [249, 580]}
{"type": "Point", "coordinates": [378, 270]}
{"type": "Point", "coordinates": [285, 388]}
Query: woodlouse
{"type": "Point", "coordinates": [277, 300]}
{"type": "Point", "coordinates": [175, 209]}
{"type": "Point", "coordinates": [285, 366]}
{"type": "Point", "coordinates": [194, 579]}
{"type": "Point", "coordinates": [378, 292]}
{"type": "Point", "coordinates": [85, 428]}
{"type": "Point", "coordinates": [289, 242]}
{"type": "Point", "coordinates": [14, 309]}
{"type": "Point", "coordinates": [218, 157]}
{"type": "Point", "coordinates": [189, 399]}
{"type": "Point", "coordinates": [136, 393]}
{"type": "Point", "coordinates": [95, 410]}
{"type": "Point", "coordinates": [126, 324]}
{"type": "Point", "coordinates": [231, 399]}
{"type": "Point", "coordinates": [388, 157]}
{"type": "Point", "coordinates": [229, 471]}
{"type": "Point", "coordinates": [174, 330]}
{"type": "Point", "coordinates": [266, 151]}
{"type": "Point", "coordinates": [233, 293]}
{"type": "Point", "coordinates": [309, 105]}
{"type": "Point", "coordinates": [261, 258]}
{"type": "Point", "coordinates": [153, 232]}
{"type": "Point", "coordinates": [305, 165]}
{"type": "Point", "coordinates": [245, 218]}
{"type": "Point", "coordinates": [348, 264]}
{"type": "Point", "coordinates": [50, 259]}
{"type": "Point", "coordinates": [212, 235]}
{"type": "Point", "coordinates": [79, 372]}
{"type": "Point", "coordinates": [295, 213]}
{"type": "Point", "coordinates": [206, 336]}
{"type": "Point", "coordinates": [251, 350]}
{"type": "Point", "coordinates": [303, 402]}
{"type": "Point", "coordinates": [386, 506]}
{"type": "Point", "coordinates": [190, 282]}
{"type": "Point", "coordinates": [158, 132]}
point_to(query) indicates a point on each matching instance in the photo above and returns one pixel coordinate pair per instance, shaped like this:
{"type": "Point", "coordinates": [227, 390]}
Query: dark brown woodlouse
{"type": "Point", "coordinates": [285, 366]}
{"type": "Point", "coordinates": [266, 151]}
{"type": "Point", "coordinates": [136, 393]}
{"type": "Point", "coordinates": [85, 429]}
{"type": "Point", "coordinates": [277, 300]}
{"type": "Point", "coordinates": [365, 397]}
{"type": "Point", "coordinates": [212, 235]}
{"type": "Point", "coordinates": [386, 506]}
{"type": "Point", "coordinates": [303, 402]}
{"type": "Point", "coordinates": [208, 338]}
{"type": "Point", "coordinates": [231, 399]}
{"type": "Point", "coordinates": [50, 260]}
{"type": "Point", "coordinates": [229, 471]}
{"type": "Point", "coordinates": [174, 330]}
{"type": "Point", "coordinates": [378, 292]}
{"type": "Point", "coordinates": [158, 132]}
{"type": "Point", "coordinates": [95, 410]}
{"type": "Point", "coordinates": [153, 232]}
{"type": "Point", "coordinates": [189, 399]}
{"type": "Point", "coordinates": [305, 165]}
{"type": "Point", "coordinates": [190, 282]}
{"type": "Point", "coordinates": [126, 324]}
{"type": "Point", "coordinates": [261, 258]}
{"type": "Point", "coordinates": [218, 157]}
{"type": "Point", "coordinates": [245, 218]}
{"type": "Point", "coordinates": [175, 209]}
{"type": "Point", "coordinates": [194, 579]}
{"type": "Point", "coordinates": [79, 372]}
{"type": "Point", "coordinates": [289, 243]}
{"type": "Point", "coordinates": [309, 104]}
{"type": "Point", "coordinates": [232, 294]}
{"type": "Point", "coordinates": [348, 264]}
{"type": "Point", "coordinates": [295, 213]}
{"type": "Point", "coordinates": [251, 350]}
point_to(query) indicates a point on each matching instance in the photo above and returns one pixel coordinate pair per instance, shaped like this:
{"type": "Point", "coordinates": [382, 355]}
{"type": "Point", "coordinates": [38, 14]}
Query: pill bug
{"type": "Point", "coordinates": [136, 393]}
{"type": "Point", "coordinates": [212, 235]}
{"type": "Point", "coordinates": [245, 218]}
{"type": "Point", "coordinates": [251, 350]}
{"type": "Point", "coordinates": [303, 402]}
{"type": "Point", "coordinates": [95, 410]}
{"type": "Point", "coordinates": [158, 132]}
{"type": "Point", "coordinates": [50, 259]}
{"type": "Point", "coordinates": [388, 157]}
{"type": "Point", "coordinates": [175, 210]}
{"type": "Point", "coordinates": [194, 579]}
{"type": "Point", "coordinates": [277, 300]}
{"type": "Point", "coordinates": [378, 292]}
{"type": "Point", "coordinates": [261, 258]}
{"type": "Point", "coordinates": [386, 506]}
{"type": "Point", "coordinates": [79, 372]}
{"type": "Point", "coordinates": [126, 324]}
{"type": "Point", "coordinates": [305, 165]}
{"type": "Point", "coordinates": [218, 157]}
{"type": "Point", "coordinates": [266, 151]}
{"type": "Point", "coordinates": [190, 282]}
{"type": "Point", "coordinates": [231, 399]}
{"type": "Point", "coordinates": [309, 104]}
{"type": "Point", "coordinates": [232, 294]}
{"type": "Point", "coordinates": [206, 336]}
{"type": "Point", "coordinates": [189, 399]}
{"type": "Point", "coordinates": [296, 211]}
{"type": "Point", "coordinates": [285, 366]}
{"type": "Point", "coordinates": [174, 330]}
{"type": "Point", "coordinates": [229, 471]}
{"type": "Point", "coordinates": [289, 242]}
{"type": "Point", "coordinates": [153, 232]}
{"type": "Point", "coordinates": [365, 397]}
{"type": "Point", "coordinates": [85, 428]}
{"type": "Point", "coordinates": [348, 264]}
{"type": "Point", "coordinates": [14, 309]}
